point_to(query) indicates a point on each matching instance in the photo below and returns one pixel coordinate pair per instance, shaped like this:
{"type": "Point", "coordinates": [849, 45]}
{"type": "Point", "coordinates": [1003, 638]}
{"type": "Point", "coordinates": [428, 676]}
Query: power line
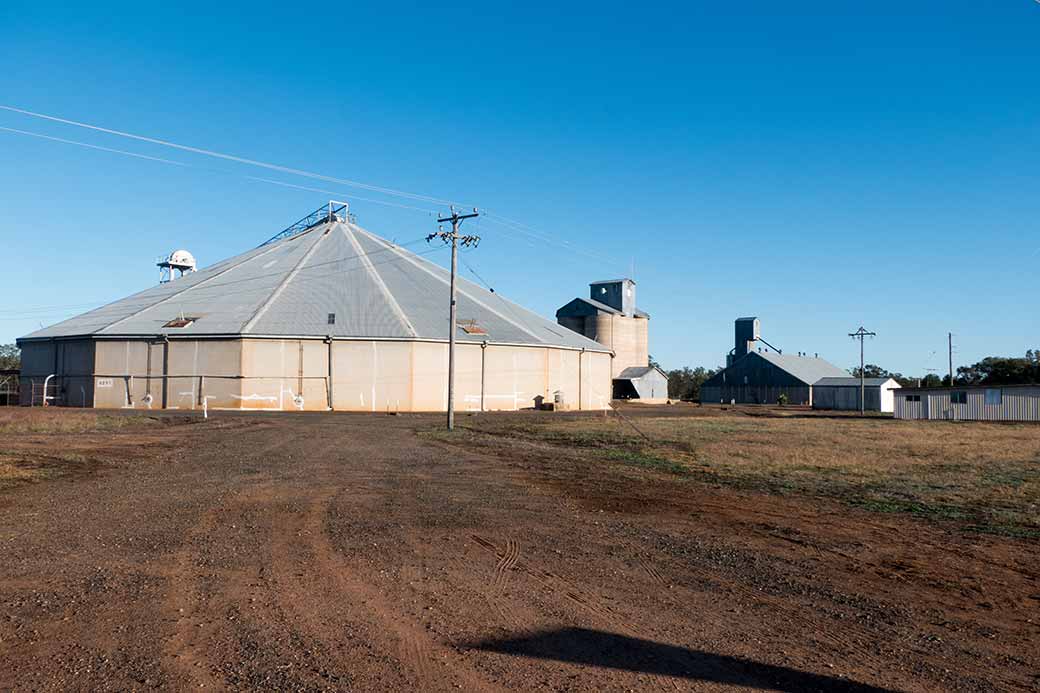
{"type": "Point", "coordinates": [207, 169]}
{"type": "Point", "coordinates": [94, 146]}
{"type": "Point", "coordinates": [502, 221]}
{"type": "Point", "coordinates": [231, 157]}
{"type": "Point", "coordinates": [499, 220]}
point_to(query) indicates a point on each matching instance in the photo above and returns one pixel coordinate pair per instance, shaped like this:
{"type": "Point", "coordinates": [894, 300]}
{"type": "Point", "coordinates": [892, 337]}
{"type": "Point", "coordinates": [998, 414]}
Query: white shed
{"type": "Point", "coordinates": [843, 394]}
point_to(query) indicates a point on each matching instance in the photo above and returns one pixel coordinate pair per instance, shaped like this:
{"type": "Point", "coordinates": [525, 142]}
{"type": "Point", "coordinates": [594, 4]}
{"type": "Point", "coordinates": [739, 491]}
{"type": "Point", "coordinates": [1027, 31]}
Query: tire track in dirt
{"type": "Point", "coordinates": [652, 572]}
{"type": "Point", "coordinates": [330, 579]}
{"type": "Point", "coordinates": [190, 604]}
{"type": "Point", "coordinates": [510, 557]}
{"type": "Point", "coordinates": [554, 583]}
{"type": "Point", "coordinates": [507, 560]}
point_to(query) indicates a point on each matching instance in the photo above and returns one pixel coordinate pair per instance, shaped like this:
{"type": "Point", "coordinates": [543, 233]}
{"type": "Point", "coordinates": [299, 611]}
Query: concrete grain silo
{"type": "Point", "coordinates": [326, 316]}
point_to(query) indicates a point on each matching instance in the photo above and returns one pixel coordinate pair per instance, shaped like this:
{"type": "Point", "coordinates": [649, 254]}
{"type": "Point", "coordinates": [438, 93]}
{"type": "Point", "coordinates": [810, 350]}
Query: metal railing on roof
{"type": "Point", "coordinates": [331, 211]}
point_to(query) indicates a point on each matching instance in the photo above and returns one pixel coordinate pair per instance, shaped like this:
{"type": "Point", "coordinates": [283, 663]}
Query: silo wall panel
{"type": "Point", "coordinates": [119, 373]}
{"type": "Point", "coordinates": [514, 377]}
{"type": "Point", "coordinates": [468, 359]}
{"type": "Point", "coordinates": [315, 384]}
{"type": "Point", "coordinates": [270, 371]}
{"type": "Point", "coordinates": [372, 376]}
{"type": "Point", "coordinates": [204, 370]}
{"type": "Point", "coordinates": [563, 376]}
{"type": "Point", "coordinates": [596, 380]}
{"type": "Point", "coordinates": [130, 374]}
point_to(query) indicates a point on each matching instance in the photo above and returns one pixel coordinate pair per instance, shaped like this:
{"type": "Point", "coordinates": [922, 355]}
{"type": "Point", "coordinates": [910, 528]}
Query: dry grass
{"type": "Point", "coordinates": [54, 420]}
{"type": "Point", "coordinates": [985, 477]}
{"type": "Point", "coordinates": [38, 444]}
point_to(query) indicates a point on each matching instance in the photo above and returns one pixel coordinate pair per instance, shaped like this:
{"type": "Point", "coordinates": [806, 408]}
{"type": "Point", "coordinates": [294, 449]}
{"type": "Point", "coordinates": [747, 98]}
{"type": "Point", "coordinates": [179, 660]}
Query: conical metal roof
{"type": "Point", "coordinates": [293, 288]}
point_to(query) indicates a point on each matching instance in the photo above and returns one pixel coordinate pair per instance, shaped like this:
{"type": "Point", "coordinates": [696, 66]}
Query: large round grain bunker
{"type": "Point", "coordinates": [328, 316]}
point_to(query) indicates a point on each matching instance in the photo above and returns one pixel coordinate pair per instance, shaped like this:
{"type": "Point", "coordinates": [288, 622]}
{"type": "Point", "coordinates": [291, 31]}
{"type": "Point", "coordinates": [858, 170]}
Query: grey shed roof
{"type": "Point", "coordinates": [806, 368]}
{"type": "Point", "coordinates": [850, 381]}
{"type": "Point", "coordinates": [636, 372]}
{"type": "Point", "coordinates": [289, 288]}
{"type": "Point", "coordinates": [596, 305]}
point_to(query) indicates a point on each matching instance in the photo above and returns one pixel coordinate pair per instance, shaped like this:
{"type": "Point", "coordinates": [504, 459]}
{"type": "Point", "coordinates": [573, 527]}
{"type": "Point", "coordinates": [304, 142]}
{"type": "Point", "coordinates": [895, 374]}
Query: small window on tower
{"type": "Point", "coordinates": [332, 318]}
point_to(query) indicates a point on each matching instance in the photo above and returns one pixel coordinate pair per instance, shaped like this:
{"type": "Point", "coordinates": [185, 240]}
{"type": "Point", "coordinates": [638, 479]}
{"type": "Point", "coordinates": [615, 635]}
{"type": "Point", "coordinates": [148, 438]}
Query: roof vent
{"type": "Point", "coordinates": [182, 321]}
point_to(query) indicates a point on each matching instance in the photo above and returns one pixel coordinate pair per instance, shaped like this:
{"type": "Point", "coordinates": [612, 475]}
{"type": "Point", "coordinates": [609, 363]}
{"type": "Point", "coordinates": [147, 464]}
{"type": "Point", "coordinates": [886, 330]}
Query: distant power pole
{"type": "Point", "coordinates": [454, 239]}
{"type": "Point", "coordinates": [862, 334]}
{"type": "Point", "coordinates": [949, 339]}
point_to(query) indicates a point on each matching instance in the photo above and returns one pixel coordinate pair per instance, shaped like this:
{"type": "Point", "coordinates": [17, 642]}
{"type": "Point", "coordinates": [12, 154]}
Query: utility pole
{"type": "Point", "coordinates": [949, 339]}
{"type": "Point", "coordinates": [862, 334]}
{"type": "Point", "coordinates": [454, 239]}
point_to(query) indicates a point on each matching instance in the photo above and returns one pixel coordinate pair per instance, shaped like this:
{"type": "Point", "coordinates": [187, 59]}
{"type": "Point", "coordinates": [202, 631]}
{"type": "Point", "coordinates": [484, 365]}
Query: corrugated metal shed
{"type": "Point", "coordinates": [648, 383]}
{"type": "Point", "coordinates": [336, 279]}
{"type": "Point", "coordinates": [843, 394]}
{"type": "Point", "coordinates": [970, 403]}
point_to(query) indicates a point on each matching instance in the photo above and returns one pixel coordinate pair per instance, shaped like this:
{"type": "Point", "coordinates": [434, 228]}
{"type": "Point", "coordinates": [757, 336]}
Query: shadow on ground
{"type": "Point", "coordinates": [602, 649]}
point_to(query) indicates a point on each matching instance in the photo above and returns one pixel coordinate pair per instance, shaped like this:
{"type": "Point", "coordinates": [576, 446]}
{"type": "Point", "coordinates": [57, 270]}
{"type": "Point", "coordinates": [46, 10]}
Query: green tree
{"type": "Point", "coordinates": [1001, 370]}
{"type": "Point", "coordinates": [10, 357]}
{"type": "Point", "coordinates": [870, 371]}
{"type": "Point", "coordinates": [931, 380]}
{"type": "Point", "coordinates": [685, 383]}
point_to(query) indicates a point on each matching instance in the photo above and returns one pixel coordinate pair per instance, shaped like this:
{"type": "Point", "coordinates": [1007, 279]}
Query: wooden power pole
{"type": "Point", "coordinates": [454, 239]}
{"type": "Point", "coordinates": [862, 334]}
{"type": "Point", "coordinates": [949, 341]}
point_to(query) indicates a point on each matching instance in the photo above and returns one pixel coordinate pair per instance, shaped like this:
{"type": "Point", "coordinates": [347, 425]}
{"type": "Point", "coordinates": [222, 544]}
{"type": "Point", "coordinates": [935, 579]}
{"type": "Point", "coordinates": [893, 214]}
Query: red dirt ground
{"type": "Point", "coordinates": [343, 552]}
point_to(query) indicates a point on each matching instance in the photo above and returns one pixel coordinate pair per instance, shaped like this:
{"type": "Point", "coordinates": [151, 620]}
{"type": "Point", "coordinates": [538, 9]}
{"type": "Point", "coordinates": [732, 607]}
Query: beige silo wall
{"type": "Point", "coordinates": [294, 374]}
{"type": "Point", "coordinates": [628, 337]}
{"type": "Point", "coordinates": [284, 374]}
{"type": "Point", "coordinates": [127, 372]}
{"type": "Point", "coordinates": [595, 380]}
{"type": "Point", "coordinates": [203, 370]}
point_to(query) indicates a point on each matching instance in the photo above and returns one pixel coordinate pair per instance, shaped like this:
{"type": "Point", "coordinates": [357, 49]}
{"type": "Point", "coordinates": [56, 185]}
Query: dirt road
{"type": "Point", "coordinates": [340, 552]}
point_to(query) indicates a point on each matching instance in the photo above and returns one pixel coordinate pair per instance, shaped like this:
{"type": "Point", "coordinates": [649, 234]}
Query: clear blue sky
{"type": "Point", "coordinates": [819, 164]}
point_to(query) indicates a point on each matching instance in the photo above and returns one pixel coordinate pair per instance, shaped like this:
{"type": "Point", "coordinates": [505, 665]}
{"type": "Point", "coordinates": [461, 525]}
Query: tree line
{"type": "Point", "coordinates": [10, 357]}
{"type": "Point", "coordinates": [992, 370]}
{"type": "Point", "coordinates": [685, 383]}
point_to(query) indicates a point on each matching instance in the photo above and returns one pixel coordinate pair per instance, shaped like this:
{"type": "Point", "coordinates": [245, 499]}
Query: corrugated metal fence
{"type": "Point", "coordinates": [970, 404]}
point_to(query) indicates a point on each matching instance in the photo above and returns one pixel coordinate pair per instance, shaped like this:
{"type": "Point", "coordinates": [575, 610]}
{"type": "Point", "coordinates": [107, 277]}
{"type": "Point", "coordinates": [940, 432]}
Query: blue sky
{"type": "Point", "coordinates": [821, 165]}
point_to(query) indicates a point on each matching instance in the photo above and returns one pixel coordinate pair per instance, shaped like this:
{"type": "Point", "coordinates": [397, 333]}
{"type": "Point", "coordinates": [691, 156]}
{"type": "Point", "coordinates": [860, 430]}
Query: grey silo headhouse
{"type": "Point", "coordinates": [329, 316]}
{"type": "Point", "coordinates": [755, 376]}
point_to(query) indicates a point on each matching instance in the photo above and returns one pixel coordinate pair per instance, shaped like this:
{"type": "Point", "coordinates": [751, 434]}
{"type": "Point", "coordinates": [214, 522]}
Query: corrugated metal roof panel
{"type": "Point", "coordinates": [850, 381]}
{"type": "Point", "coordinates": [807, 369]}
{"type": "Point", "coordinates": [290, 287]}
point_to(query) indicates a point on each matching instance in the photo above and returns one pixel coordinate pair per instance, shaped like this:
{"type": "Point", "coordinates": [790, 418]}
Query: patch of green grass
{"type": "Point", "coordinates": [985, 478]}
{"type": "Point", "coordinates": [641, 459]}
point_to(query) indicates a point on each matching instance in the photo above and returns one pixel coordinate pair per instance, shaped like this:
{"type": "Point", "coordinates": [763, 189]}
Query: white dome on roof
{"type": "Point", "coordinates": [182, 257]}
